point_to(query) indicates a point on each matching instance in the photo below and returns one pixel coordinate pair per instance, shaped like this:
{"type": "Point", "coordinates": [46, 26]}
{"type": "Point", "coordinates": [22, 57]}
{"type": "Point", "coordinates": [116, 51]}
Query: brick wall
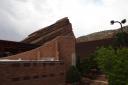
{"type": "Point", "coordinates": [62, 49]}
{"type": "Point", "coordinates": [67, 49]}
{"type": "Point", "coordinates": [32, 73]}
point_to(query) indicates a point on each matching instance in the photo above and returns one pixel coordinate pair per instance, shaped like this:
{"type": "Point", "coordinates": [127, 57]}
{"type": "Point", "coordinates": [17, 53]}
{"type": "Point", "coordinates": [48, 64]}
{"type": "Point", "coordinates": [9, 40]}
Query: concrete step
{"type": "Point", "coordinates": [98, 82]}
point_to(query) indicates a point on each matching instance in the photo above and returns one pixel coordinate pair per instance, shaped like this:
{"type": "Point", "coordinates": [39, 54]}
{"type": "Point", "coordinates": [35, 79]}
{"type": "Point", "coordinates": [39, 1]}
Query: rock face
{"type": "Point", "coordinates": [84, 49]}
{"type": "Point", "coordinates": [61, 28]}
{"type": "Point", "coordinates": [86, 45]}
{"type": "Point", "coordinates": [11, 47]}
{"type": "Point", "coordinates": [100, 35]}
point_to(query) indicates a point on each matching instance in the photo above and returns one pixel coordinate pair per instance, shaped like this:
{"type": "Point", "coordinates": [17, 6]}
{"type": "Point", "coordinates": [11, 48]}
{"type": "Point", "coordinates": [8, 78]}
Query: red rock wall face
{"type": "Point", "coordinates": [11, 47]}
{"type": "Point", "coordinates": [61, 28]}
{"type": "Point", "coordinates": [84, 49]}
{"type": "Point", "coordinates": [32, 73]}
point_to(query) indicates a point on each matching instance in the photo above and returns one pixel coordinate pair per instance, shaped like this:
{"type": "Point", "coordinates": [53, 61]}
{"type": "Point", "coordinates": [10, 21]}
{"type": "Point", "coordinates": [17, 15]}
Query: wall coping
{"type": "Point", "coordinates": [30, 61]}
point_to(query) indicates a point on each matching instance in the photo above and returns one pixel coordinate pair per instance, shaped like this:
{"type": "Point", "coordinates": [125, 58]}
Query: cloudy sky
{"type": "Point", "coordinates": [19, 18]}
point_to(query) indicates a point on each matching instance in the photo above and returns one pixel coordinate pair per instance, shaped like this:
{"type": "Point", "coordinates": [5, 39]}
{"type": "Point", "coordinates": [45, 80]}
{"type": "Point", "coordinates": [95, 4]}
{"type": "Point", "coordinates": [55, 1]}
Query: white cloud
{"type": "Point", "coordinates": [86, 16]}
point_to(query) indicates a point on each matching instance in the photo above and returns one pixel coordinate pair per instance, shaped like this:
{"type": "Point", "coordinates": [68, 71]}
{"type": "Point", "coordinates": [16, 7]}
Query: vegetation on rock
{"type": "Point", "coordinates": [121, 39]}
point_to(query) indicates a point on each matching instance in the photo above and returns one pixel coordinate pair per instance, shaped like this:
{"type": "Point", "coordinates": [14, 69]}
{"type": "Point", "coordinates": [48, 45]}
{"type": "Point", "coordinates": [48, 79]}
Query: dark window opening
{"type": "Point", "coordinates": [34, 64]}
{"type": "Point", "coordinates": [16, 64]}
{"type": "Point", "coordinates": [44, 76]}
{"type": "Point", "coordinates": [26, 78]}
{"type": "Point", "coordinates": [26, 64]}
{"type": "Point", "coordinates": [52, 63]}
{"type": "Point", "coordinates": [61, 73]}
{"type": "Point", "coordinates": [36, 77]}
{"type": "Point", "coordinates": [15, 79]}
{"type": "Point", "coordinates": [52, 75]}
{"type": "Point", "coordinates": [61, 63]}
{"type": "Point", "coordinates": [44, 64]}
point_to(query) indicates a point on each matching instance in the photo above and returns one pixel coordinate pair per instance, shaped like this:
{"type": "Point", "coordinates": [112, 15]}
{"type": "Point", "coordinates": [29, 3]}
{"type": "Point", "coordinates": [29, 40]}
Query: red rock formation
{"type": "Point", "coordinates": [60, 28]}
{"type": "Point", "coordinates": [12, 47]}
{"type": "Point", "coordinates": [84, 49]}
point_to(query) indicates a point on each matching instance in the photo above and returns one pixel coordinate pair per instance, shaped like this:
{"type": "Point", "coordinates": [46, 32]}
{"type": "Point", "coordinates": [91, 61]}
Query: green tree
{"type": "Point", "coordinates": [121, 39]}
{"type": "Point", "coordinates": [114, 64]}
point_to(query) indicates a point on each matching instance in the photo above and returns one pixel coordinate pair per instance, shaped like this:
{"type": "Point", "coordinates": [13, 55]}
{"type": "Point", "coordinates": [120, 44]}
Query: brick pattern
{"type": "Point", "coordinates": [32, 73]}
{"type": "Point", "coordinates": [26, 72]}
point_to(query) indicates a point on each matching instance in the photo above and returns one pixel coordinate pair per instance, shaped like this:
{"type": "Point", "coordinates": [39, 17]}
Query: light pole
{"type": "Point", "coordinates": [122, 22]}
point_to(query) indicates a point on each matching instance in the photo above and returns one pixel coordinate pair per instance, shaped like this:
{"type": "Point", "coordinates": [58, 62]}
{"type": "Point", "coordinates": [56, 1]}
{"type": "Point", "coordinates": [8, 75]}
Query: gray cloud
{"type": "Point", "coordinates": [7, 27]}
{"type": "Point", "coordinates": [18, 18]}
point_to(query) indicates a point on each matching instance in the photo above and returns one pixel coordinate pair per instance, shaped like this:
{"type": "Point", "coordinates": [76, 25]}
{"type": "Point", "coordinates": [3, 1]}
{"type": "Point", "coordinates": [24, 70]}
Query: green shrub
{"type": "Point", "coordinates": [73, 75]}
{"type": "Point", "coordinates": [114, 64]}
{"type": "Point", "coordinates": [87, 64]}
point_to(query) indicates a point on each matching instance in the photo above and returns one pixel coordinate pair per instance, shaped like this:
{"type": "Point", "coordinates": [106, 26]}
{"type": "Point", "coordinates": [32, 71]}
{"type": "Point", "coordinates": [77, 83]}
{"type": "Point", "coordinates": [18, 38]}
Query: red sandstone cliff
{"type": "Point", "coordinates": [100, 35]}
{"type": "Point", "coordinates": [60, 28]}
